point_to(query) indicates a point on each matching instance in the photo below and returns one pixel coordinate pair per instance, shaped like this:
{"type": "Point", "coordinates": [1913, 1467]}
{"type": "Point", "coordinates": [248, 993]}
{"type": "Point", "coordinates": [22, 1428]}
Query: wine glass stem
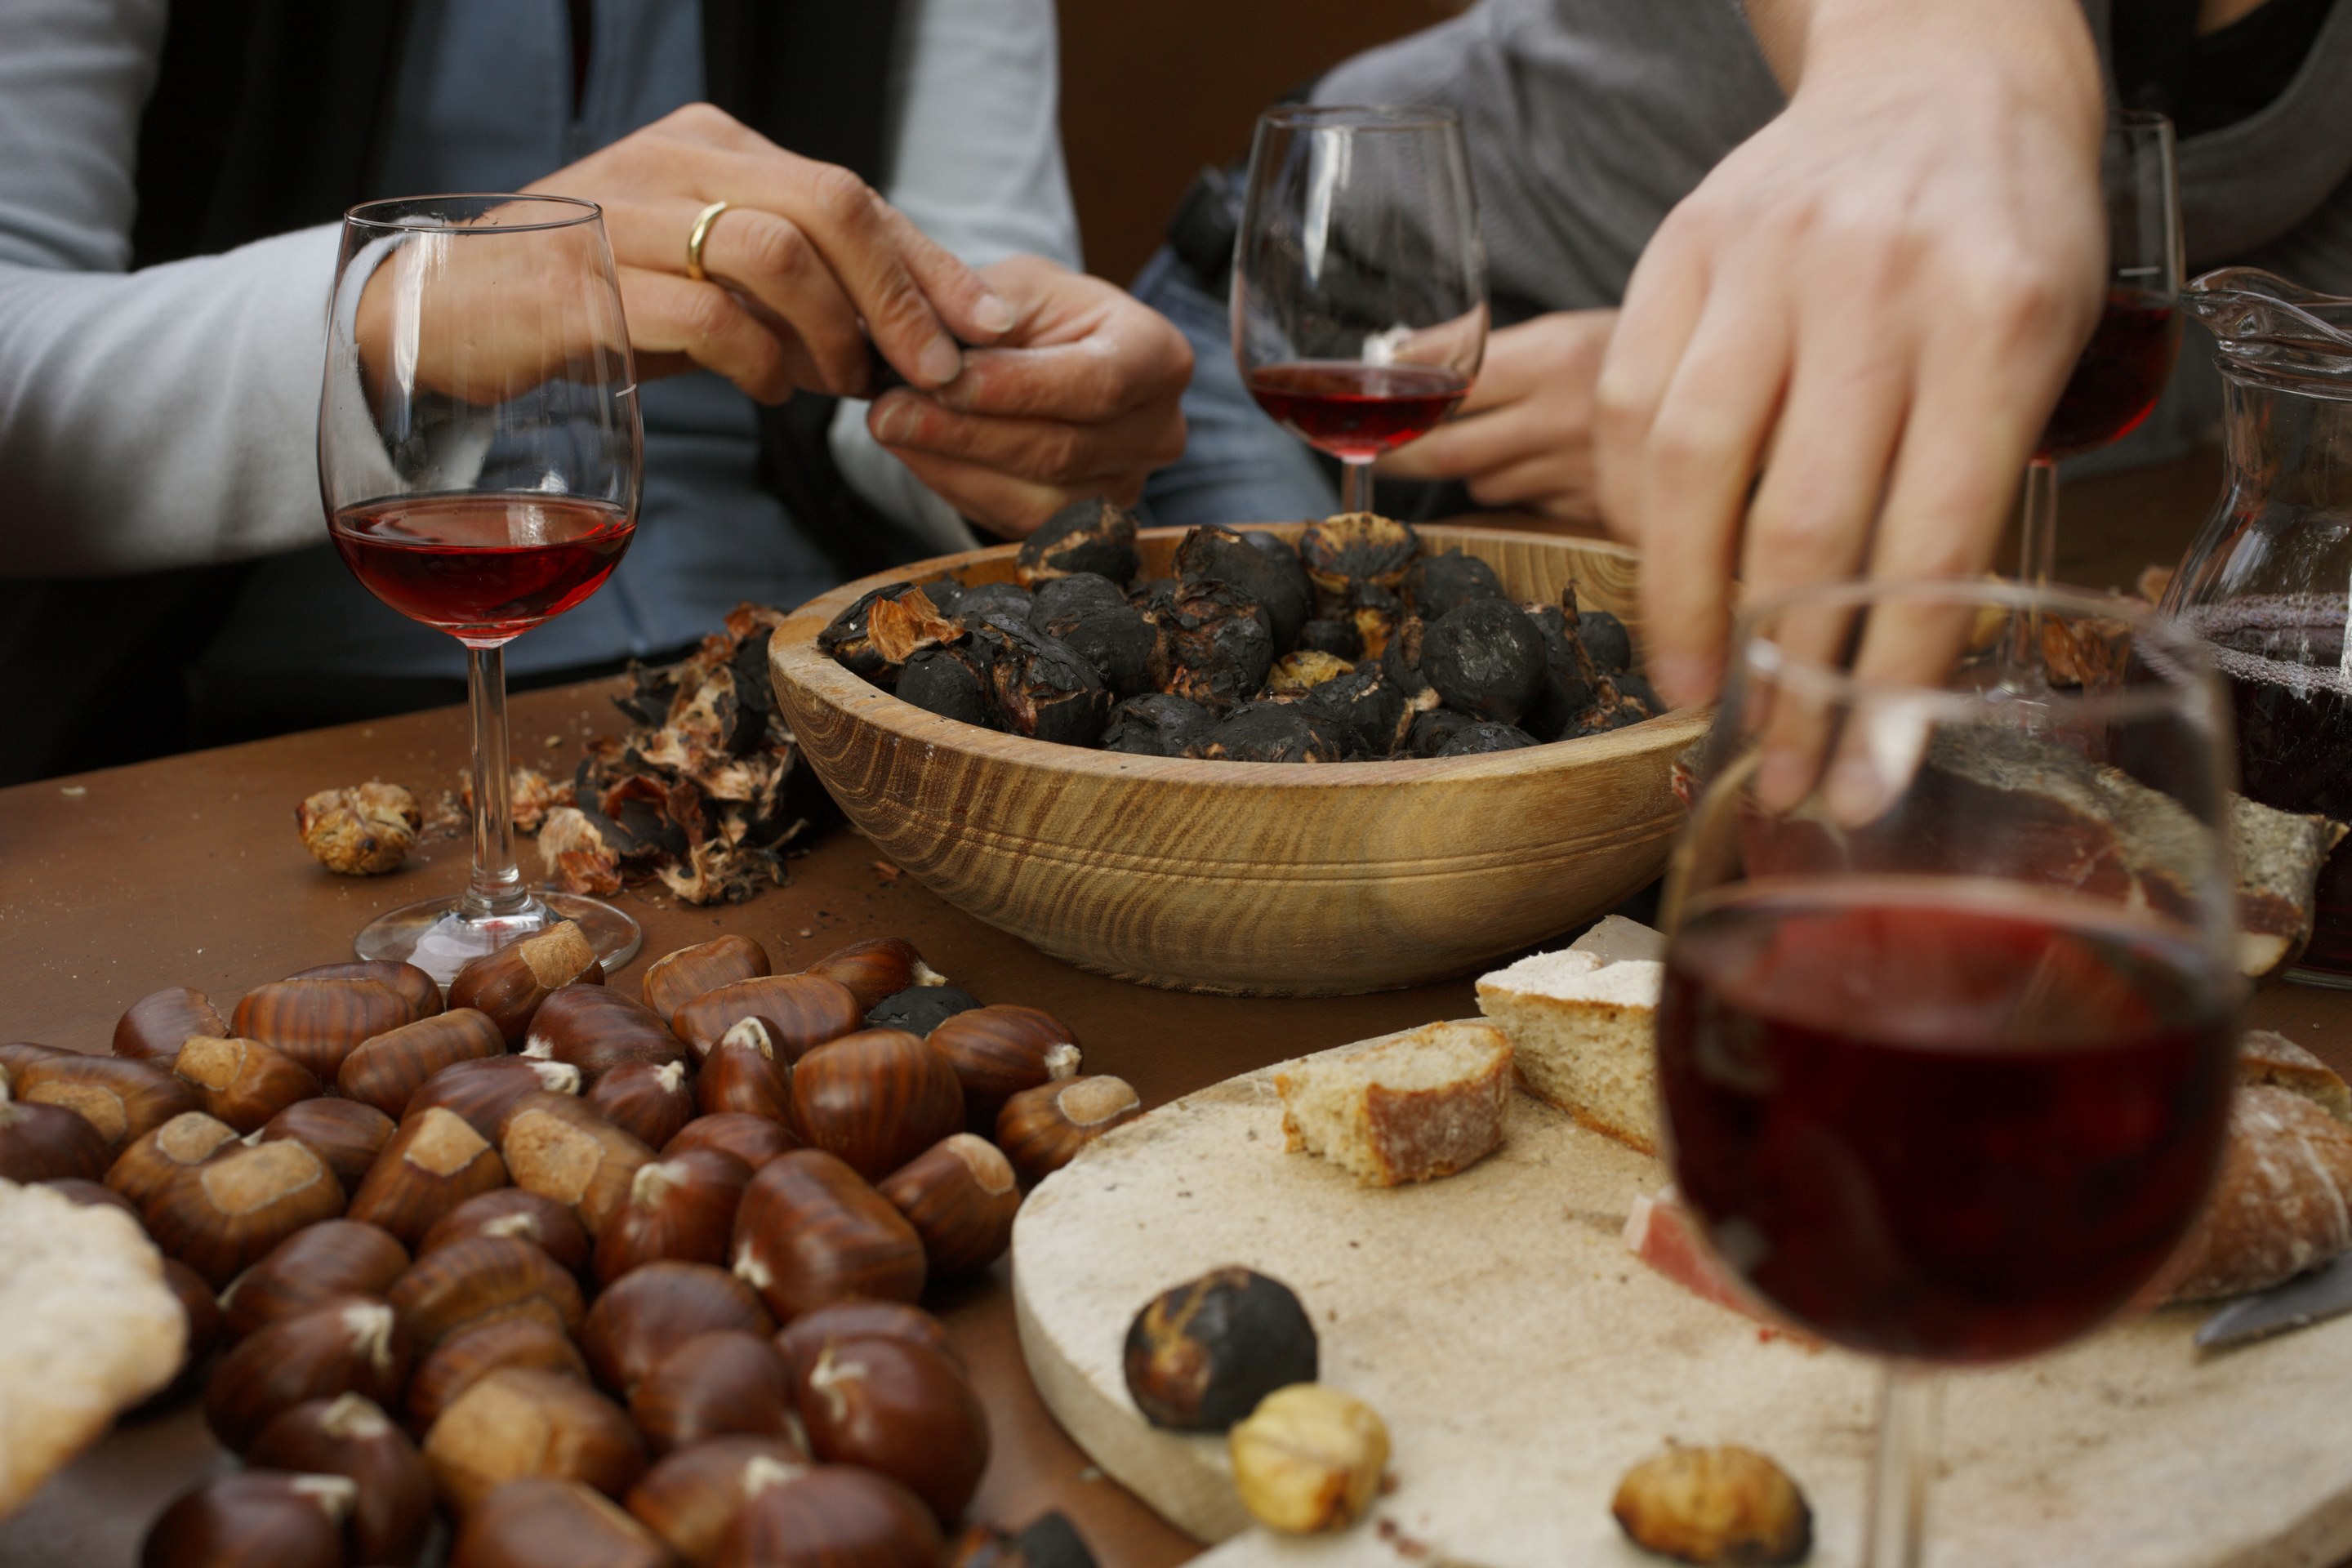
{"type": "Point", "coordinates": [1355, 485]}
{"type": "Point", "coordinates": [1910, 1409]}
{"type": "Point", "coordinates": [2037, 555]}
{"type": "Point", "coordinates": [496, 887]}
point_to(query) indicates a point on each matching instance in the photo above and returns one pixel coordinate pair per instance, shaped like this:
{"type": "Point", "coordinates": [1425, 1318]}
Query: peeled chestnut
{"type": "Point", "coordinates": [224, 1216]}
{"type": "Point", "coordinates": [249, 1518]}
{"type": "Point", "coordinates": [517, 1422]}
{"type": "Point", "coordinates": [123, 1100]}
{"type": "Point", "coordinates": [691, 1497]}
{"type": "Point", "coordinates": [876, 1099]}
{"type": "Point", "coordinates": [529, 1335]}
{"type": "Point", "coordinates": [728, 1381]}
{"type": "Point", "coordinates": [810, 1232]}
{"type": "Point", "coordinates": [43, 1143]}
{"type": "Point", "coordinates": [919, 1009]}
{"type": "Point", "coordinates": [418, 989]}
{"type": "Point", "coordinates": [344, 1133]}
{"type": "Point", "coordinates": [433, 1162]}
{"type": "Point", "coordinates": [538, 1522]}
{"type": "Point", "coordinates": [153, 1027]}
{"type": "Point", "coordinates": [384, 1071]}
{"type": "Point", "coordinates": [652, 1104]}
{"type": "Point", "coordinates": [511, 984]}
{"type": "Point", "coordinates": [242, 1082]}
{"type": "Point", "coordinates": [961, 1196]}
{"type": "Point", "coordinates": [353, 1344]}
{"type": "Point", "coordinates": [453, 1287]}
{"type": "Point", "coordinates": [800, 1011]}
{"type": "Point", "coordinates": [676, 978]}
{"type": "Point", "coordinates": [350, 1436]}
{"type": "Point", "coordinates": [835, 1515]}
{"type": "Point", "coordinates": [754, 1140]}
{"type": "Point", "coordinates": [799, 1341]}
{"type": "Point", "coordinates": [742, 1074]}
{"type": "Point", "coordinates": [318, 1264]}
{"type": "Point", "coordinates": [597, 1029]}
{"type": "Point", "coordinates": [647, 1312]}
{"type": "Point", "coordinates": [320, 1021]}
{"type": "Point", "coordinates": [559, 1148]}
{"type": "Point", "coordinates": [141, 1170]}
{"type": "Point", "coordinates": [902, 1410]}
{"type": "Point", "coordinates": [1200, 1357]}
{"type": "Point", "coordinates": [682, 1207]}
{"type": "Point", "coordinates": [1041, 1129]}
{"type": "Point", "coordinates": [484, 1092]}
{"type": "Point", "coordinates": [553, 1226]}
{"type": "Point", "coordinates": [999, 1051]}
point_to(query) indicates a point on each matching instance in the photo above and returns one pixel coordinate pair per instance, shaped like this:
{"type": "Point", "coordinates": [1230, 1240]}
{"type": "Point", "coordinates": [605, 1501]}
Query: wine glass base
{"type": "Point", "coordinates": [437, 936]}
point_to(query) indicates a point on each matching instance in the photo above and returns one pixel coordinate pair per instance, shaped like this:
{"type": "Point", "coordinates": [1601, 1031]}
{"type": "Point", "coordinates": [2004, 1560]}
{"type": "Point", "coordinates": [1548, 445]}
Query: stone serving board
{"type": "Point", "coordinates": [1524, 1361]}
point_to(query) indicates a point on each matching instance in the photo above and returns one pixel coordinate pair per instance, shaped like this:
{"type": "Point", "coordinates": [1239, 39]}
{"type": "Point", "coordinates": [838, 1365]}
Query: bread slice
{"type": "Point", "coordinates": [1418, 1105]}
{"type": "Point", "coordinates": [2266, 1057]}
{"type": "Point", "coordinates": [1583, 1035]}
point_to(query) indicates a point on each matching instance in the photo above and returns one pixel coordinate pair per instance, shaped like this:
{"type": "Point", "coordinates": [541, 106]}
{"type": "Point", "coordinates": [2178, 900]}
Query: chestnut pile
{"type": "Point", "coordinates": [1351, 647]}
{"type": "Point", "coordinates": [601, 1281]}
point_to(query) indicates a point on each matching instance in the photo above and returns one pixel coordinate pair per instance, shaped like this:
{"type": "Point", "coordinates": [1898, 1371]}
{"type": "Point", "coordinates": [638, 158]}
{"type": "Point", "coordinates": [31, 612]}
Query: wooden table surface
{"type": "Point", "coordinates": [186, 871]}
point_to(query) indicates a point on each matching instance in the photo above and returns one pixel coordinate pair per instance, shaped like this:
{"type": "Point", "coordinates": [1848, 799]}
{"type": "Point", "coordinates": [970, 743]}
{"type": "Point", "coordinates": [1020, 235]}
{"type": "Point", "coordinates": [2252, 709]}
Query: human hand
{"type": "Point", "coordinates": [1865, 313]}
{"type": "Point", "coordinates": [1079, 399]}
{"type": "Point", "coordinates": [1524, 436]}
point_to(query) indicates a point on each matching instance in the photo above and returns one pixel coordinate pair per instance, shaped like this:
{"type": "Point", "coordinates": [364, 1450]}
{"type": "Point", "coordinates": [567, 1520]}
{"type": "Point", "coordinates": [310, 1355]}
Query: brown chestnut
{"type": "Point", "coordinates": [810, 1232]}
{"type": "Point", "coordinates": [511, 984]}
{"type": "Point", "coordinates": [559, 1147]}
{"type": "Point", "coordinates": [832, 1517]}
{"type": "Point", "coordinates": [318, 1264]}
{"type": "Point", "coordinates": [89, 1193]}
{"type": "Point", "coordinates": [385, 1071]}
{"type": "Point", "coordinates": [418, 989]}
{"type": "Point", "coordinates": [691, 1497]}
{"type": "Point", "coordinates": [518, 1421]}
{"type": "Point", "coordinates": [537, 1523]}
{"type": "Point", "coordinates": [801, 1011]}
{"type": "Point", "coordinates": [202, 1309]}
{"type": "Point", "coordinates": [652, 1104]}
{"type": "Point", "coordinates": [350, 1436]}
{"type": "Point", "coordinates": [511, 1211]}
{"type": "Point", "coordinates": [153, 1027]}
{"type": "Point", "coordinates": [877, 968]}
{"type": "Point", "coordinates": [123, 1100]}
{"type": "Point", "coordinates": [681, 1208]}
{"type": "Point", "coordinates": [647, 1312]}
{"type": "Point", "coordinates": [353, 1344]}
{"type": "Point", "coordinates": [754, 1140]}
{"type": "Point", "coordinates": [1043, 1128]}
{"type": "Point", "coordinates": [597, 1029]}
{"type": "Point", "coordinates": [433, 1162]}
{"type": "Point", "coordinates": [961, 1196]}
{"type": "Point", "coordinates": [876, 1099]}
{"type": "Point", "coordinates": [676, 978]}
{"type": "Point", "coordinates": [484, 1092]}
{"type": "Point", "coordinates": [344, 1133]}
{"type": "Point", "coordinates": [180, 1144]}
{"type": "Point", "coordinates": [223, 1216]}
{"type": "Point", "coordinates": [241, 1082]}
{"type": "Point", "coordinates": [319, 1022]}
{"type": "Point", "coordinates": [727, 1381]}
{"type": "Point", "coordinates": [903, 1410]}
{"type": "Point", "coordinates": [43, 1142]}
{"type": "Point", "coordinates": [799, 1341]}
{"type": "Point", "coordinates": [249, 1518]}
{"type": "Point", "coordinates": [530, 1335]}
{"type": "Point", "coordinates": [453, 1287]}
{"type": "Point", "coordinates": [999, 1051]}
{"type": "Point", "coordinates": [742, 1074]}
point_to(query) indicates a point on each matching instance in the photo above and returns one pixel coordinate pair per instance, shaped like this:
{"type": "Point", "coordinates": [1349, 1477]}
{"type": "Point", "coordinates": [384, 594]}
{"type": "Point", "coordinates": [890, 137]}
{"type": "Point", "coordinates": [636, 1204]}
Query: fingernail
{"type": "Point", "coordinates": [941, 362]}
{"type": "Point", "coordinates": [1783, 779]}
{"type": "Point", "coordinates": [894, 421]}
{"type": "Point", "coordinates": [993, 314]}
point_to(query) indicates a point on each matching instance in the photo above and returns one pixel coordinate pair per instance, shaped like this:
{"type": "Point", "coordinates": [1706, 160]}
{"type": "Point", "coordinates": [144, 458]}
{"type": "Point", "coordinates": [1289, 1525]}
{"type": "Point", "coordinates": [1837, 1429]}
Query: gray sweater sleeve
{"type": "Point", "coordinates": [147, 419]}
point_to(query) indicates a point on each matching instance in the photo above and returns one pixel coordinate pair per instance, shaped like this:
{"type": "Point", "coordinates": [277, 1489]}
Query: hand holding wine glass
{"type": "Point", "coordinates": [1360, 279]}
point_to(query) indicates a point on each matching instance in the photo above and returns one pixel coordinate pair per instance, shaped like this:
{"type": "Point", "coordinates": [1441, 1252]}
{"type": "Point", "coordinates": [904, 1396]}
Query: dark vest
{"type": "Point", "coordinates": [271, 115]}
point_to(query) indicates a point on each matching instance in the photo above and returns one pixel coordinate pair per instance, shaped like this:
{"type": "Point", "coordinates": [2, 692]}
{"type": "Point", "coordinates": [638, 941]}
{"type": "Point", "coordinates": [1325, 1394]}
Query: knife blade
{"type": "Point", "coordinates": [2303, 1301]}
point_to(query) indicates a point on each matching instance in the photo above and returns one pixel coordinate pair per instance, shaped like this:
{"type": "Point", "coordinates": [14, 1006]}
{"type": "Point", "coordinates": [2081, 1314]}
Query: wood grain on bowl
{"type": "Point", "coordinates": [1252, 879]}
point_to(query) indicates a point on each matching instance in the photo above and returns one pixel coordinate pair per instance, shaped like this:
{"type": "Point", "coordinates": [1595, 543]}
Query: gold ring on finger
{"type": "Point", "coordinates": [701, 231]}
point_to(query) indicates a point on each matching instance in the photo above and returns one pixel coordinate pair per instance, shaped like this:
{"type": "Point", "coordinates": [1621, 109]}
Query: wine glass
{"type": "Point", "coordinates": [479, 455]}
{"type": "Point", "coordinates": [1945, 1083]}
{"type": "Point", "coordinates": [1360, 279]}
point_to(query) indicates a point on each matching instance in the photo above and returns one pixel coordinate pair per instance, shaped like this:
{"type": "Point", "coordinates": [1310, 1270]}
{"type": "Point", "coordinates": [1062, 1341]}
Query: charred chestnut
{"type": "Point", "coordinates": [1216, 644]}
{"type": "Point", "coordinates": [1157, 725]}
{"type": "Point", "coordinates": [1436, 583]}
{"type": "Point", "coordinates": [1043, 688]}
{"type": "Point", "coordinates": [1567, 688]}
{"type": "Point", "coordinates": [1201, 1356]}
{"type": "Point", "coordinates": [1604, 637]}
{"type": "Point", "coordinates": [1332, 636]}
{"type": "Point", "coordinates": [919, 1009]}
{"type": "Point", "coordinates": [1357, 547]}
{"type": "Point", "coordinates": [1485, 658]}
{"type": "Point", "coordinates": [1479, 739]}
{"type": "Point", "coordinates": [1375, 613]}
{"type": "Point", "coordinates": [848, 637]}
{"type": "Point", "coordinates": [1366, 706]}
{"type": "Point", "coordinates": [1221, 555]}
{"type": "Point", "coordinates": [994, 599]}
{"type": "Point", "coordinates": [1295, 674]}
{"type": "Point", "coordinates": [1071, 595]}
{"type": "Point", "coordinates": [1274, 733]}
{"type": "Point", "coordinates": [1114, 639]}
{"type": "Point", "coordinates": [951, 682]}
{"type": "Point", "coordinates": [1096, 535]}
{"type": "Point", "coordinates": [1435, 731]}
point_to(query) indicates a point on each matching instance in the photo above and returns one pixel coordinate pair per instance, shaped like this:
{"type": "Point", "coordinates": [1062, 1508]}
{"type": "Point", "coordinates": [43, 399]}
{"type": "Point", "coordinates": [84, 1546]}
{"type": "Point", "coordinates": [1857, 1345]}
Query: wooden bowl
{"type": "Point", "coordinates": [1250, 878]}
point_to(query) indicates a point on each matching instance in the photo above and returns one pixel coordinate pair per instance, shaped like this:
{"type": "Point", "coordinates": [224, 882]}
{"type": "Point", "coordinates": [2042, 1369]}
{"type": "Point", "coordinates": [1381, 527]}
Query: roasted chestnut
{"type": "Point", "coordinates": [517, 1422]}
{"type": "Point", "coordinates": [550, 1225]}
{"type": "Point", "coordinates": [453, 1288]}
{"type": "Point", "coordinates": [1274, 733]}
{"type": "Point", "coordinates": [1050, 1541]}
{"type": "Point", "coordinates": [1485, 657]}
{"type": "Point", "coordinates": [320, 1021]}
{"type": "Point", "coordinates": [153, 1027]}
{"type": "Point", "coordinates": [919, 1009]}
{"type": "Point", "coordinates": [1366, 707]}
{"type": "Point", "coordinates": [1157, 725]}
{"type": "Point", "coordinates": [1281, 587]}
{"type": "Point", "coordinates": [350, 1436]}
{"type": "Point", "coordinates": [1479, 739]}
{"type": "Point", "coordinates": [1042, 686]}
{"type": "Point", "coordinates": [1376, 614]}
{"type": "Point", "coordinates": [1309, 1458]}
{"type": "Point", "coordinates": [742, 1074]}
{"type": "Point", "coordinates": [531, 1335]}
{"type": "Point", "coordinates": [800, 1011]}
{"type": "Point", "coordinates": [1070, 596]}
{"type": "Point", "coordinates": [647, 1312]}
{"type": "Point", "coordinates": [1216, 644]}
{"type": "Point", "coordinates": [1357, 547]}
{"type": "Point", "coordinates": [247, 1518]}
{"type": "Point", "coordinates": [226, 1213]}
{"type": "Point", "coordinates": [1043, 1128]}
{"type": "Point", "coordinates": [989, 599]}
{"type": "Point", "coordinates": [242, 1082]}
{"type": "Point", "coordinates": [1435, 583]}
{"type": "Point", "coordinates": [901, 1410]}
{"type": "Point", "coordinates": [344, 1133]}
{"type": "Point", "coordinates": [318, 1263]}
{"type": "Point", "coordinates": [754, 1140]}
{"type": "Point", "coordinates": [876, 1099]}
{"type": "Point", "coordinates": [1435, 731]}
{"type": "Point", "coordinates": [538, 1522]}
{"type": "Point", "coordinates": [1602, 634]}
{"type": "Point", "coordinates": [597, 1029]}
{"type": "Point", "coordinates": [433, 1162]}
{"type": "Point", "coordinates": [848, 637]}
{"type": "Point", "coordinates": [690, 1497]}
{"type": "Point", "coordinates": [511, 984]}
{"type": "Point", "coordinates": [726, 1382]}
{"type": "Point", "coordinates": [952, 682]}
{"type": "Point", "coordinates": [652, 1104]}
{"type": "Point", "coordinates": [1115, 639]}
{"type": "Point", "coordinates": [999, 1051]}
{"type": "Point", "coordinates": [123, 1100]}
{"type": "Point", "coordinates": [353, 1344]}
{"type": "Point", "coordinates": [1096, 535]}
{"type": "Point", "coordinates": [877, 967]}
{"type": "Point", "coordinates": [799, 1341]}
{"type": "Point", "coordinates": [681, 1207]}
{"type": "Point", "coordinates": [676, 978]}
{"type": "Point", "coordinates": [484, 1092]}
{"type": "Point", "coordinates": [141, 1170]}
{"type": "Point", "coordinates": [1568, 673]}
{"type": "Point", "coordinates": [556, 1146]}
{"type": "Point", "coordinates": [835, 1515]}
{"type": "Point", "coordinates": [1333, 636]}
{"type": "Point", "coordinates": [961, 1196]}
{"type": "Point", "coordinates": [810, 1232]}
{"type": "Point", "coordinates": [1201, 1356]}
{"type": "Point", "coordinates": [384, 1071]}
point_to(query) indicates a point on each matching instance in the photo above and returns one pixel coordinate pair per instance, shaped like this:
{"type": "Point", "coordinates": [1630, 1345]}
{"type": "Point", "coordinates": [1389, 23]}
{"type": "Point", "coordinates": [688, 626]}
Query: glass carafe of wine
{"type": "Point", "coordinates": [2266, 582]}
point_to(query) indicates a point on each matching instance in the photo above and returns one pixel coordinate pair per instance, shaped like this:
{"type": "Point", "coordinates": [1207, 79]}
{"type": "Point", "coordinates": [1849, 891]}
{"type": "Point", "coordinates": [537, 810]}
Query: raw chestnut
{"type": "Point", "coordinates": [647, 1312]}
{"type": "Point", "coordinates": [726, 1382]}
{"type": "Point", "coordinates": [1094, 535]}
{"type": "Point", "coordinates": [548, 1225]}
{"type": "Point", "coordinates": [1357, 547]}
{"type": "Point", "coordinates": [344, 1133]}
{"type": "Point", "coordinates": [1216, 644]}
{"type": "Point", "coordinates": [353, 1344]}
{"type": "Point", "coordinates": [1486, 658]}
{"type": "Point", "coordinates": [203, 1311]}
{"type": "Point", "coordinates": [919, 1009]}
{"type": "Point", "coordinates": [877, 968]}
{"type": "Point", "coordinates": [316, 1265]}
{"type": "Point", "coordinates": [418, 989]}
{"type": "Point", "coordinates": [223, 1216]}
{"type": "Point", "coordinates": [754, 1140]}
{"type": "Point", "coordinates": [242, 1082]}
{"type": "Point", "coordinates": [86, 1194]}
{"type": "Point", "coordinates": [559, 1148]}
{"type": "Point", "coordinates": [1041, 1129]}
{"type": "Point", "coordinates": [691, 1497]}
{"type": "Point", "coordinates": [596, 1030]}
{"type": "Point", "coordinates": [155, 1027]}
{"type": "Point", "coordinates": [1221, 556]}
{"type": "Point", "coordinates": [1157, 725]}
{"type": "Point", "coordinates": [249, 1518]}
{"type": "Point", "coordinates": [875, 1100]}
{"type": "Point", "coordinates": [518, 1421]}
{"type": "Point", "coordinates": [835, 1515]}
{"type": "Point", "coordinates": [454, 1287]}
{"type": "Point", "coordinates": [43, 1143]}
{"type": "Point", "coordinates": [999, 1051]}
{"type": "Point", "coordinates": [141, 1170]}
{"type": "Point", "coordinates": [511, 984]}
{"type": "Point", "coordinates": [652, 1104]}
{"type": "Point", "coordinates": [901, 1410]}
{"type": "Point", "coordinates": [1436, 583]}
{"type": "Point", "coordinates": [530, 1335]}
{"type": "Point", "coordinates": [538, 1522]}
{"type": "Point", "coordinates": [320, 1021]}
{"type": "Point", "coordinates": [676, 978]}
{"type": "Point", "coordinates": [385, 1071]}
{"type": "Point", "coordinates": [484, 1092]}
{"type": "Point", "coordinates": [799, 1010]}
{"type": "Point", "coordinates": [799, 1341]}
{"type": "Point", "coordinates": [433, 1162]}
{"type": "Point", "coordinates": [1274, 733]}
{"type": "Point", "coordinates": [810, 1232]}
{"type": "Point", "coordinates": [961, 1196]}
{"type": "Point", "coordinates": [1201, 1356]}
{"type": "Point", "coordinates": [681, 1207]}
{"type": "Point", "coordinates": [123, 1100]}
{"type": "Point", "coordinates": [350, 1436]}
{"type": "Point", "coordinates": [741, 1074]}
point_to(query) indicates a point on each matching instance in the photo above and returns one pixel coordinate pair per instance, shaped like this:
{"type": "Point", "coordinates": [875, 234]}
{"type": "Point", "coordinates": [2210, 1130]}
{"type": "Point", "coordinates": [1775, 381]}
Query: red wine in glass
{"type": "Point", "coordinates": [1356, 411]}
{"type": "Point", "coordinates": [485, 567]}
{"type": "Point", "coordinates": [2121, 374]}
{"type": "Point", "coordinates": [1938, 1121]}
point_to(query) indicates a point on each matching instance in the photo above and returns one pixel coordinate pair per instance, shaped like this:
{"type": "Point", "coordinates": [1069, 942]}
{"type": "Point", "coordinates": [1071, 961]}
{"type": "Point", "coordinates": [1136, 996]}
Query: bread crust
{"type": "Point", "coordinates": [2282, 1202]}
{"type": "Point", "coordinates": [1394, 1135]}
